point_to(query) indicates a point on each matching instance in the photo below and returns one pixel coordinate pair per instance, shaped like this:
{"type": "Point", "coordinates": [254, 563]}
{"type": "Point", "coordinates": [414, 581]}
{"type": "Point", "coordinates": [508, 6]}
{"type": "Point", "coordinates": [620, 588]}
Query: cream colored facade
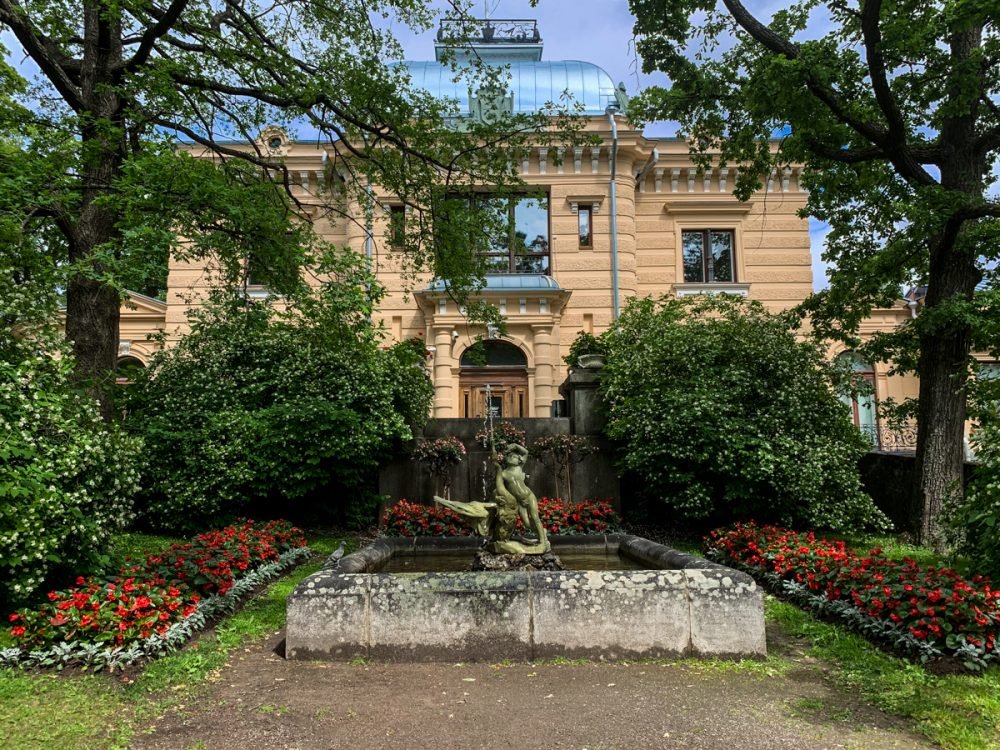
{"type": "Point", "coordinates": [659, 195]}
{"type": "Point", "coordinates": [544, 313]}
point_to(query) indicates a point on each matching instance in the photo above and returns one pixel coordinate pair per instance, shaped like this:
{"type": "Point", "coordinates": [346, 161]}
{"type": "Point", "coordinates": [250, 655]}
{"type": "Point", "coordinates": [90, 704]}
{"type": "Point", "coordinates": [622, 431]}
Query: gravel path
{"type": "Point", "coordinates": [262, 701]}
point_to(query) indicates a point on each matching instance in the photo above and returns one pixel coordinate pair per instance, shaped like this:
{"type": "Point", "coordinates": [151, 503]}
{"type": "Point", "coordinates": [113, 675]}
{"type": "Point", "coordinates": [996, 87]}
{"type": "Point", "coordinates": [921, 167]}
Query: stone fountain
{"type": "Point", "coordinates": [619, 596]}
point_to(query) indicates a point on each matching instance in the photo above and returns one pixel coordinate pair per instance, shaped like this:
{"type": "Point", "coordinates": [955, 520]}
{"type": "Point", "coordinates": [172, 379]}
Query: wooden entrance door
{"type": "Point", "coordinates": [506, 397]}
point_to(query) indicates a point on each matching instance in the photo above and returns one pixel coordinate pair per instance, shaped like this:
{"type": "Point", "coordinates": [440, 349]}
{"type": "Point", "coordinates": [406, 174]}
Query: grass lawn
{"type": "Point", "coordinates": [959, 712]}
{"type": "Point", "coordinates": [48, 710]}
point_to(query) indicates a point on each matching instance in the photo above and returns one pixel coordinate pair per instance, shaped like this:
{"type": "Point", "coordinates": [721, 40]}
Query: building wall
{"type": "Point", "coordinates": [772, 255]}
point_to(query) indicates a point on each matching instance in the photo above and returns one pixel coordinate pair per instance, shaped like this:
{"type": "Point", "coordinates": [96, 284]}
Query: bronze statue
{"type": "Point", "coordinates": [512, 499]}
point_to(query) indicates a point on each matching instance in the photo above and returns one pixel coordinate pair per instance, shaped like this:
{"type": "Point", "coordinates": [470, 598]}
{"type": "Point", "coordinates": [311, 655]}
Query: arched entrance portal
{"type": "Point", "coordinates": [505, 371]}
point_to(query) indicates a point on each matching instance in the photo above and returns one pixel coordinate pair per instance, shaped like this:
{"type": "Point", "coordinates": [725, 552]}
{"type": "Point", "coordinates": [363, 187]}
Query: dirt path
{"type": "Point", "coordinates": [263, 701]}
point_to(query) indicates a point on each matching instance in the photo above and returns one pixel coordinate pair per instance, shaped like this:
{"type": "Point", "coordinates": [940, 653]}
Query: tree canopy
{"type": "Point", "coordinates": [118, 83]}
{"type": "Point", "coordinates": [892, 109]}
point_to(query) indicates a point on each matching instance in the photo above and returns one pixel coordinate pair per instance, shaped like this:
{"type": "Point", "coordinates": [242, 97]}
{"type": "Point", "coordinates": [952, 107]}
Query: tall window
{"type": "Point", "coordinates": [585, 215]}
{"type": "Point", "coordinates": [397, 225]}
{"type": "Point", "coordinates": [517, 233]}
{"type": "Point", "coordinates": [862, 403]}
{"type": "Point", "coordinates": [708, 255]}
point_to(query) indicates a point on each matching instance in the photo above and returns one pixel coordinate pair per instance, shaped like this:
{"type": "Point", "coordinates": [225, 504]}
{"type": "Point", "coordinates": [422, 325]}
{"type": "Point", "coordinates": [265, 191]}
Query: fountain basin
{"type": "Point", "coordinates": [669, 604]}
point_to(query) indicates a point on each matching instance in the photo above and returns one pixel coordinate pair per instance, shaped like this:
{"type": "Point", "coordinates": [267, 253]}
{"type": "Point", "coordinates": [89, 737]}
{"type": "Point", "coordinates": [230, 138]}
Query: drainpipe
{"type": "Point", "coordinates": [611, 111]}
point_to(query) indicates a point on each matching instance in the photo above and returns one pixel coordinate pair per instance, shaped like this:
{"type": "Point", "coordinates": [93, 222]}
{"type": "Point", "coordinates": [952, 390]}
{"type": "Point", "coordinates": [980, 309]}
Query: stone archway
{"type": "Point", "coordinates": [498, 381]}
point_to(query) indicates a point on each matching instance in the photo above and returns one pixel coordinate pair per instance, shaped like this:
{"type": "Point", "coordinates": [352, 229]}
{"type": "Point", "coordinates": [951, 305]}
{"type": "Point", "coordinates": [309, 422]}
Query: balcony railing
{"type": "Point", "coordinates": [903, 440]}
{"type": "Point", "coordinates": [488, 31]}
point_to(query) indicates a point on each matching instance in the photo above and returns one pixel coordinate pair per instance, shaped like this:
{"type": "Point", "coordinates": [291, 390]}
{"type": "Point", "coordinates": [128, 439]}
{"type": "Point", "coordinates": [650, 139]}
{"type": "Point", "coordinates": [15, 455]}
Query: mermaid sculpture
{"type": "Point", "coordinates": [512, 500]}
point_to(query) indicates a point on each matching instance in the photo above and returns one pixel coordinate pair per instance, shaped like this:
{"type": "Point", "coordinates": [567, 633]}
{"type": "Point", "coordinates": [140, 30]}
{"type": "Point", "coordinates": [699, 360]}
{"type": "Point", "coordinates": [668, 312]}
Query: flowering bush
{"type": "Point", "coordinates": [66, 477]}
{"type": "Point", "coordinates": [503, 433]}
{"type": "Point", "coordinates": [589, 517]}
{"type": "Point", "coordinates": [440, 456]}
{"type": "Point", "coordinates": [926, 611]}
{"type": "Point", "coordinates": [147, 597]}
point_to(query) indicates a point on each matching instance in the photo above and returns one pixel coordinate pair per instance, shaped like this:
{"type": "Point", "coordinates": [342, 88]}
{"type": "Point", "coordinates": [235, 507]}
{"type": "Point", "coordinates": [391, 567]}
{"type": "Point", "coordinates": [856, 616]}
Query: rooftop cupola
{"type": "Point", "coordinates": [494, 40]}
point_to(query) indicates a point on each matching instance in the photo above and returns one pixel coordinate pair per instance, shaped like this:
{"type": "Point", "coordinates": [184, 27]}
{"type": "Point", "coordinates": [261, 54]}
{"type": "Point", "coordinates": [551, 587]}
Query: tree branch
{"type": "Point", "coordinates": [954, 224]}
{"type": "Point", "coordinates": [163, 25]}
{"type": "Point", "coordinates": [61, 70]}
{"type": "Point", "coordinates": [896, 152]}
{"type": "Point", "coordinates": [870, 15]}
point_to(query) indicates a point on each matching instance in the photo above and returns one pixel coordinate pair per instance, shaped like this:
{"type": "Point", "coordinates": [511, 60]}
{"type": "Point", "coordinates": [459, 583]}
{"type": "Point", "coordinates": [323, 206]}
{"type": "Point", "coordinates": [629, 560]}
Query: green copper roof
{"type": "Point", "coordinates": [532, 84]}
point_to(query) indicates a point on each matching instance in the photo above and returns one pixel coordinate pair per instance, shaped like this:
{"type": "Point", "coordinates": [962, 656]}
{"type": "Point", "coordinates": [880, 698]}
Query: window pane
{"type": "Point", "coordinates": [722, 256]}
{"type": "Point", "coordinates": [496, 221]}
{"type": "Point", "coordinates": [531, 264]}
{"type": "Point", "coordinates": [692, 249]}
{"type": "Point", "coordinates": [531, 226]}
{"type": "Point", "coordinates": [397, 225]}
{"type": "Point", "coordinates": [497, 263]}
{"type": "Point", "coordinates": [584, 217]}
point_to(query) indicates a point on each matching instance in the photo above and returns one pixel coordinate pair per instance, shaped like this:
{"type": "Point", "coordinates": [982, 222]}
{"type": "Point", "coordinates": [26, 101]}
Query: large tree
{"type": "Point", "coordinates": [115, 77]}
{"type": "Point", "coordinates": [892, 108]}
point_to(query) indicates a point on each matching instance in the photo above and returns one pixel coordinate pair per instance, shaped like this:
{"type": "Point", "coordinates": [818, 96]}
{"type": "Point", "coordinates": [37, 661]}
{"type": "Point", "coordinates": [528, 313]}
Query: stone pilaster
{"type": "Point", "coordinates": [444, 379]}
{"type": "Point", "coordinates": [545, 368]}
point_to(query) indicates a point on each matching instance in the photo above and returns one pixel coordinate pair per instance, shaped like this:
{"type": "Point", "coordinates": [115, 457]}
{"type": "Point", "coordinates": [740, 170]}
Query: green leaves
{"type": "Point", "coordinates": [274, 401]}
{"type": "Point", "coordinates": [722, 412]}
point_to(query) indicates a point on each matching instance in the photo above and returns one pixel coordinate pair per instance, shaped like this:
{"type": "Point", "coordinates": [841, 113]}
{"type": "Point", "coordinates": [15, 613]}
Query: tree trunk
{"type": "Point", "coordinates": [940, 426]}
{"type": "Point", "coordinates": [92, 306]}
{"type": "Point", "coordinates": [945, 344]}
{"type": "Point", "coordinates": [92, 315]}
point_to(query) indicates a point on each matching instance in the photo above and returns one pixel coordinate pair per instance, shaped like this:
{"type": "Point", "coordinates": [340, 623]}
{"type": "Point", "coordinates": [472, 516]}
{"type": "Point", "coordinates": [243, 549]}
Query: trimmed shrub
{"type": "Point", "coordinates": [259, 405]}
{"type": "Point", "coordinates": [926, 612]}
{"type": "Point", "coordinates": [972, 521]}
{"type": "Point", "coordinates": [589, 517]}
{"type": "Point", "coordinates": [723, 413]}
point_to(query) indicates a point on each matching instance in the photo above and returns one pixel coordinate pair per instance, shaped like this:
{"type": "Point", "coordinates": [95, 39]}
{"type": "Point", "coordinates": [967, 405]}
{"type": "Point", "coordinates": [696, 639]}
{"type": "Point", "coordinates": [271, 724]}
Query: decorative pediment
{"type": "Point", "coordinates": [594, 201]}
{"type": "Point", "coordinates": [136, 304]}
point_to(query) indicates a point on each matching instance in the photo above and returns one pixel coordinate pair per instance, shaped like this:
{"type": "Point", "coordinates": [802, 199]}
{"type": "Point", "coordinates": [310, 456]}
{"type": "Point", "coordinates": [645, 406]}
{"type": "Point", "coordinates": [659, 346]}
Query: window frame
{"type": "Point", "coordinates": [589, 209]}
{"type": "Point", "coordinates": [510, 254]}
{"type": "Point", "coordinates": [706, 256]}
{"type": "Point", "coordinates": [397, 233]}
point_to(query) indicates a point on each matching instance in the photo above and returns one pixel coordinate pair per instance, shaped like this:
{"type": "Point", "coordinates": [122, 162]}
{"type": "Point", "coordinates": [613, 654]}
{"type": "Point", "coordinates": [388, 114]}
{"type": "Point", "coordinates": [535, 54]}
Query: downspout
{"type": "Point", "coordinates": [611, 111]}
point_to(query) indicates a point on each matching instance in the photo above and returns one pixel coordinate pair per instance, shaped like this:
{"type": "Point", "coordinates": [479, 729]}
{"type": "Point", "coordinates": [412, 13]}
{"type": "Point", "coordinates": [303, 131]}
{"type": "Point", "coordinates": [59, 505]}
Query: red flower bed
{"type": "Point", "coordinates": [589, 517]}
{"type": "Point", "coordinates": [927, 610]}
{"type": "Point", "coordinates": [148, 597]}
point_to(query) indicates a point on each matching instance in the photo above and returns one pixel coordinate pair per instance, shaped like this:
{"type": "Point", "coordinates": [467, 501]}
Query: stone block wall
{"type": "Point", "coordinates": [592, 478]}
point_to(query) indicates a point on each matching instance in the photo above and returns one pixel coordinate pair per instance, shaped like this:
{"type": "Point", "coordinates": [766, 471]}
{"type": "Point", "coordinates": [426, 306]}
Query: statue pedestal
{"type": "Point", "coordinates": [486, 560]}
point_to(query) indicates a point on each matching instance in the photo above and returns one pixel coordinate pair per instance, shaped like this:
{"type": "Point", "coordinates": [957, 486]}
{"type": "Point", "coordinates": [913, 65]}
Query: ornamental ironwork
{"type": "Point", "coordinates": [891, 440]}
{"type": "Point", "coordinates": [488, 31]}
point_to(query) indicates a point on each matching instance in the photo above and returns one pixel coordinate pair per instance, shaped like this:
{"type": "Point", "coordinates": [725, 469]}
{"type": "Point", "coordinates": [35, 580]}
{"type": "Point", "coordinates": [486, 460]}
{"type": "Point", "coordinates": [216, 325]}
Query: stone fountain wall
{"type": "Point", "coordinates": [681, 605]}
{"type": "Point", "coordinates": [593, 478]}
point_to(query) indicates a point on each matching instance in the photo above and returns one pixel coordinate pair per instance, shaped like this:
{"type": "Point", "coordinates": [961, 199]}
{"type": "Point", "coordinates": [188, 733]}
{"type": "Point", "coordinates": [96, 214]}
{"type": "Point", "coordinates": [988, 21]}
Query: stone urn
{"type": "Point", "coordinates": [591, 361]}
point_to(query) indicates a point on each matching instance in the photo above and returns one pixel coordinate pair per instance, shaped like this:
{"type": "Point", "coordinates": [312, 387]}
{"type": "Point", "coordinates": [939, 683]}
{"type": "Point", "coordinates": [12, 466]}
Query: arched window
{"type": "Point", "coordinates": [494, 353]}
{"type": "Point", "coordinates": [863, 404]}
{"type": "Point", "coordinates": [126, 369]}
{"type": "Point", "coordinates": [494, 379]}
